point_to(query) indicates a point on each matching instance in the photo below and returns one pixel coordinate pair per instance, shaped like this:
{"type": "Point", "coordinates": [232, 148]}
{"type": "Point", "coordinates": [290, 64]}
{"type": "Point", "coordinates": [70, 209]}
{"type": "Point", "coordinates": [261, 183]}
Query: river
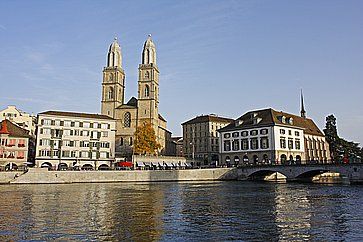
{"type": "Point", "coordinates": [193, 211]}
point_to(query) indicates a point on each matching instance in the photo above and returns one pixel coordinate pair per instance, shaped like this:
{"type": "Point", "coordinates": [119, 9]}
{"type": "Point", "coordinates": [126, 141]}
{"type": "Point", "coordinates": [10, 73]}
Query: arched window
{"type": "Point", "coordinates": [147, 74]}
{"type": "Point", "coordinates": [127, 120]}
{"type": "Point", "coordinates": [236, 160]}
{"type": "Point", "coordinates": [147, 91]}
{"type": "Point", "coordinates": [110, 93]}
{"type": "Point", "coordinates": [283, 159]}
{"type": "Point", "coordinates": [245, 159]}
{"type": "Point", "coordinates": [255, 159]}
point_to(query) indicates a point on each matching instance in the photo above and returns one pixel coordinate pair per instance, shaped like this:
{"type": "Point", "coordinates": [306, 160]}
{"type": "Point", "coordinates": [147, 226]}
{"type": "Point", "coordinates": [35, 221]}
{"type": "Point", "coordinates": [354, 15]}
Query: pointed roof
{"type": "Point", "coordinates": [7, 127]}
{"type": "Point", "coordinates": [132, 103]}
{"type": "Point", "coordinates": [302, 112]}
{"type": "Point", "coordinates": [149, 42]}
{"type": "Point", "coordinates": [115, 46]}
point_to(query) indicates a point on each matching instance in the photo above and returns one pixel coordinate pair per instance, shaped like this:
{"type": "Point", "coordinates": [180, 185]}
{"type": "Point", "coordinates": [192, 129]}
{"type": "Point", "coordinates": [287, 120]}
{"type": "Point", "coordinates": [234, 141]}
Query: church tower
{"type": "Point", "coordinates": [113, 83]}
{"type": "Point", "coordinates": [148, 86]}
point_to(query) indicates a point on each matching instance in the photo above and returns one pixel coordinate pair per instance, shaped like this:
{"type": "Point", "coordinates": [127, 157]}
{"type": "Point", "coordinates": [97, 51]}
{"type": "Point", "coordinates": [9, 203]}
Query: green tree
{"type": "Point", "coordinates": [340, 147]}
{"type": "Point", "coordinates": [145, 140]}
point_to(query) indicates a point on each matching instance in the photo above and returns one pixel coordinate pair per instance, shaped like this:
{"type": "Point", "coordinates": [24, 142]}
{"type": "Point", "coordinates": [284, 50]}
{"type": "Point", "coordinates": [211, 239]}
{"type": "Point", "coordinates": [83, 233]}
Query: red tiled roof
{"type": "Point", "coordinates": [13, 130]}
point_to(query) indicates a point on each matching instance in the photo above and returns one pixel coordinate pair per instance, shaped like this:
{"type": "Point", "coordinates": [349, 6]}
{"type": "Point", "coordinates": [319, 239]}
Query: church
{"type": "Point", "coordinates": [145, 108]}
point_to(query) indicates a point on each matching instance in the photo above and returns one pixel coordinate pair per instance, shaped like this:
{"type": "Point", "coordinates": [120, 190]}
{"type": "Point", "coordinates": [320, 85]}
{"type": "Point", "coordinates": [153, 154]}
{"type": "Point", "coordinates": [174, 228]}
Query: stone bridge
{"type": "Point", "coordinates": [353, 172]}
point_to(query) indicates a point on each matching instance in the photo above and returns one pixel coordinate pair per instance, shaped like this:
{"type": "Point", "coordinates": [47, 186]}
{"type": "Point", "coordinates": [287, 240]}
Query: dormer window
{"type": "Point", "coordinates": [257, 120]}
{"type": "Point", "coordinates": [291, 121]}
{"type": "Point", "coordinates": [238, 122]}
{"type": "Point", "coordinates": [283, 119]}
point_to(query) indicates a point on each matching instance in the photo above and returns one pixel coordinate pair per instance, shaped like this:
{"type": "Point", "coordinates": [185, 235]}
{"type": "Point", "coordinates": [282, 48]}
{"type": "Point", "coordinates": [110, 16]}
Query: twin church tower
{"type": "Point", "coordinates": [144, 108]}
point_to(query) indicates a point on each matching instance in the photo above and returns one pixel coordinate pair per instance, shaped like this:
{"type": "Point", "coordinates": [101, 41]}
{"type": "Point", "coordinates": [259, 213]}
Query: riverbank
{"type": "Point", "coordinates": [43, 176]}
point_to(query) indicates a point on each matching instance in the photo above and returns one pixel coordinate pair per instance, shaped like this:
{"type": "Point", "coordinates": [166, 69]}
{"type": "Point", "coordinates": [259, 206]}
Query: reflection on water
{"type": "Point", "coordinates": [181, 211]}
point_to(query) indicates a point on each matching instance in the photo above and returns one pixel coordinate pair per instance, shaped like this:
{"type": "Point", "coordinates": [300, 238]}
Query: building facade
{"type": "Point", "coordinates": [272, 137]}
{"type": "Point", "coordinates": [13, 146]}
{"type": "Point", "coordinates": [75, 140]}
{"type": "Point", "coordinates": [177, 146]}
{"type": "Point", "coordinates": [144, 108]}
{"type": "Point", "coordinates": [20, 118]}
{"type": "Point", "coordinates": [201, 139]}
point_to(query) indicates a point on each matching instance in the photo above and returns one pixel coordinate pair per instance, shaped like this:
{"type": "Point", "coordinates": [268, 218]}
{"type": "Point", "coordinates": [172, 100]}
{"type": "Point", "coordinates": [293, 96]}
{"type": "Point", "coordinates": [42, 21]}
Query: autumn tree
{"type": "Point", "coordinates": [145, 140]}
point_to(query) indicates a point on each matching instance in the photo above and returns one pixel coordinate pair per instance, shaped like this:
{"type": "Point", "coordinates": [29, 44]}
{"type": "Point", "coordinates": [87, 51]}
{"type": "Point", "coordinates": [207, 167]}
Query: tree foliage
{"type": "Point", "coordinates": [339, 147]}
{"type": "Point", "coordinates": [145, 140]}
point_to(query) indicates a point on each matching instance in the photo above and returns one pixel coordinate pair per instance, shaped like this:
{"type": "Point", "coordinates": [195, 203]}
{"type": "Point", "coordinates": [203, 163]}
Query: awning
{"type": "Point", "coordinates": [140, 164]}
{"type": "Point", "coordinates": [168, 163]}
{"type": "Point", "coordinates": [147, 164]}
{"type": "Point", "coordinates": [182, 164]}
{"type": "Point", "coordinates": [188, 164]}
{"type": "Point", "coordinates": [125, 164]}
{"type": "Point", "coordinates": [155, 163]}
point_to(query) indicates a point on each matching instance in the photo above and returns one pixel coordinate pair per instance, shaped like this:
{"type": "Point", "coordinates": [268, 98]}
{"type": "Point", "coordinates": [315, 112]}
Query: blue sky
{"type": "Point", "coordinates": [224, 57]}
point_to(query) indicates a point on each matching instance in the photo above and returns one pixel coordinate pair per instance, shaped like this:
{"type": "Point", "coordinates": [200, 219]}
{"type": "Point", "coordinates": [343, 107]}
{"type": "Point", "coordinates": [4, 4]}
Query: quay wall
{"type": "Point", "coordinates": [42, 175]}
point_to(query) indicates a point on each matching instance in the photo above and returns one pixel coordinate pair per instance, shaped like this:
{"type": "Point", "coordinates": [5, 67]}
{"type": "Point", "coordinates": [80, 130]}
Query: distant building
{"type": "Point", "coordinates": [67, 139]}
{"type": "Point", "coordinates": [145, 108]}
{"type": "Point", "coordinates": [22, 119]}
{"type": "Point", "coordinates": [200, 138]}
{"type": "Point", "coordinates": [269, 136]}
{"type": "Point", "coordinates": [177, 146]}
{"type": "Point", "coordinates": [13, 146]}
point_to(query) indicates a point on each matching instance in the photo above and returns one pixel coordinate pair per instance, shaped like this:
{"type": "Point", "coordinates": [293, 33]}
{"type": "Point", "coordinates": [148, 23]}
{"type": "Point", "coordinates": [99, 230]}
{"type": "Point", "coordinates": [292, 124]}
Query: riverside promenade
{"type": "Point", "coordinates": [43, 176]}
{"type": "Point", "coordinates": [352, 172]}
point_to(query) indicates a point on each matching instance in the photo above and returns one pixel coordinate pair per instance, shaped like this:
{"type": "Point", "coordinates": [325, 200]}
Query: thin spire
{"type": "Point", "coordinates": [302, 112]}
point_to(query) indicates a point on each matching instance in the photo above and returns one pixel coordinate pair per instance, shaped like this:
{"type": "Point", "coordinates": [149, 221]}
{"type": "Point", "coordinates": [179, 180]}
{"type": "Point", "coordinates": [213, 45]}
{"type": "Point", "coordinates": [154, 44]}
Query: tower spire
{"type": "Point", "coordinates": [302, 112]}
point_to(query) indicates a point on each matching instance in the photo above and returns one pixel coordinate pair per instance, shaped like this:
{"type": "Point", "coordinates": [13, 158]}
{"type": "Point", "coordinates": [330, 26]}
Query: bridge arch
{"type": "Point", "coordinates": [262, 173]}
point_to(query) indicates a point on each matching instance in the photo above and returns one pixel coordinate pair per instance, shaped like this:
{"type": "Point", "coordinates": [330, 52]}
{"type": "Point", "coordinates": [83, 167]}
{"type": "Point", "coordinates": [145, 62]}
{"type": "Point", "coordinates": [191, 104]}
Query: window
{"type": "Point", "coordinates": [282, 143]}
{"type": "Point", "coordinates": [264, 143]}
{"type": "Point", "coordinates": [147, 91]}
{"type": "Point", "coordinates": [244, 133]}
{"type": "Point", "coordinates": [104, 134]}
{"type": "Point", "coordinates": [244, 144]}
{"type": "Point", "coordinates": [127, 120]}
{"type": "Point", "coordinates": [254, 144]}
{"type": "Point", "coordinates": [235, 134]}
{"type": "Point", "coordinates": [227, 145]}
{"type": "Point", "coordinates": [86, 125]}
{"type": "Point", "coordinates": [45, 131]}
{"type": "Point", "coordinates": [47, 121]}
{"type": "Point", "coordinates": [67, 123]}
{"type": "Point", "coordinates": [147, 74]}
{"type": "Point", "coordinates": [297, 144]}
{"type": "Point", "coordinates": [235, 144]}
{"type": "Point", "coordinates": [44, 142]}
{"type": "Point", "coordinates": [110, 93]}
{"type": "Point", "coordinates": [282, 131]}
{"type": "Point", "coordinates": [253, 132]}
{"type": "Point", "coordinates": [297, 133]}
{"type": "Point", "coordinates": [263, 131]}
{"type": "Point", "coordinates": [289, 132]}
{"type": "Point", "coordinates": [57, 123]}
{"type": "Point", "coordinates": [227, 135]}
{"type": "Point", "coordinates": [290, 144]}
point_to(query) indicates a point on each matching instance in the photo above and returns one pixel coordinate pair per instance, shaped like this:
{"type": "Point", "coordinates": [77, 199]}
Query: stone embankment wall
{"type": "Point", "coordinates": [42, 175]}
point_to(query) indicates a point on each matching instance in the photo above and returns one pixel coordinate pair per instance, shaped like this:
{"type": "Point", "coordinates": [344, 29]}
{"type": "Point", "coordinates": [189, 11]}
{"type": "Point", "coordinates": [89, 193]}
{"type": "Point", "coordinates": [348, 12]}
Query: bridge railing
{"type": "Point", "coordinates": [290, 163]}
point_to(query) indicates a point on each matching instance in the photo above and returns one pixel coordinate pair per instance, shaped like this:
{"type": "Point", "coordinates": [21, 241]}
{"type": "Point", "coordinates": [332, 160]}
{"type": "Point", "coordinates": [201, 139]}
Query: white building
{"type": "Point", "coordinates": [70, 140]}
{"type": "Point", "coordinates": [22, 119]}
{"type": "Point", "coordinates": [269, 136]}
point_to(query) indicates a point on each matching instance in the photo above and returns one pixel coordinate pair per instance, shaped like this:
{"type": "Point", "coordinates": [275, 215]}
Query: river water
{"type": "Point", "coordinates": [198, 211]}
